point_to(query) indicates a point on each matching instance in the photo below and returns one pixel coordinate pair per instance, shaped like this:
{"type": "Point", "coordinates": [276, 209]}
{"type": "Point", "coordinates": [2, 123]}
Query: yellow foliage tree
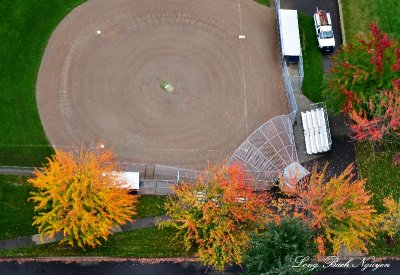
{"type": "Point", "coordinates": [391, 218]}
{"type": "Point", "coordinates": [80, 194]}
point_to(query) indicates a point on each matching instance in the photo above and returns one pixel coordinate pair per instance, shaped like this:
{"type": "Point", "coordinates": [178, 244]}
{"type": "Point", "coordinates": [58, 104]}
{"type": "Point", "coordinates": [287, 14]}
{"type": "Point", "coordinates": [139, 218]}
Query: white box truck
{"type": "Point", "coordinates": [128, 180]}
{"type": "Point", "coordinates": [324, 30]}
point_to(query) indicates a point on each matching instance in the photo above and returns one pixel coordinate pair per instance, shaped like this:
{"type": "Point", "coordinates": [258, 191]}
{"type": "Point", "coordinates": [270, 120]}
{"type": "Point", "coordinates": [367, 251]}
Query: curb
{"type": "Point", "coordinates": [342, 22]}
{"type": "Point", "coordinates": [101, 259]}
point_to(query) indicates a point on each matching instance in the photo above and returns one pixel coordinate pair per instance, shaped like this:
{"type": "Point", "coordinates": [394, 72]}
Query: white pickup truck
{"type": "Point", "coordinates": [324, 31]}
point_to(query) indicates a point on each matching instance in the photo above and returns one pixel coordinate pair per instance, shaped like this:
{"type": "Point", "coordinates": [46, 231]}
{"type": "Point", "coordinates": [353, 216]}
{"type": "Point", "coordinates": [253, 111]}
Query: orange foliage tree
{"type": "Point", "coordinates": [216, 213]}
{"type": "Point", "coordinates": [337, 208]}
{"type": "Point", "coordinates": [80, 194]}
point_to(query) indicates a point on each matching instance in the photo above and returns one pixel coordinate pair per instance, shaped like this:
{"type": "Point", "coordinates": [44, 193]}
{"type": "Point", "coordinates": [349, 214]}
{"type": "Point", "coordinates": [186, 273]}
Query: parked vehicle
{"type": "Point", "coordinates": [324, 30]}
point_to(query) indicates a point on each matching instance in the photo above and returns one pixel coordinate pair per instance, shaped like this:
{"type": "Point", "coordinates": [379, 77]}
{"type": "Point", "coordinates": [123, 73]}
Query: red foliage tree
{"type": "Point", "coordinates": [385, 121]}
{"type": "Point", "coordinates": [364, 83]}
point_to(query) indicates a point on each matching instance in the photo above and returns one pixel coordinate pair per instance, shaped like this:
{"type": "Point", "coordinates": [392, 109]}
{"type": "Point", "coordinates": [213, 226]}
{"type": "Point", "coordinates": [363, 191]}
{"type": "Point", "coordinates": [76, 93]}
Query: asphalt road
{"type": "Point", "coordinates": [105, 268]}
{"type": "Point", "coordinates": [309, 7]}
{"type": "Point", "coordinates": [130, 268]}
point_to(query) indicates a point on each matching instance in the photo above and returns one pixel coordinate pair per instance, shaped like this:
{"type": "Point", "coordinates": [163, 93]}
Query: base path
{"type": "Point", "coordinates": [106, 70]}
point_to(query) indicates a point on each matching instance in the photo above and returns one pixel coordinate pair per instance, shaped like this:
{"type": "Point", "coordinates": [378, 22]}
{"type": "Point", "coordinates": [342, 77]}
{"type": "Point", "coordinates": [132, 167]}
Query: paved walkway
{"type": "Point", "coordinates": [342, 152]}
{"type": "Point", "coordinates": [26, 241]}
{"type": "Point", "coordinates": [17, 170]}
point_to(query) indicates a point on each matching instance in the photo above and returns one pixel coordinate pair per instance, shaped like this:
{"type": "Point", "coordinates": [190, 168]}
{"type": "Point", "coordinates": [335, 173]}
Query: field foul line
{"type": "Point", "coordinates": [242, 61]}
{"type": "Point", "coordinates": [185, 150]}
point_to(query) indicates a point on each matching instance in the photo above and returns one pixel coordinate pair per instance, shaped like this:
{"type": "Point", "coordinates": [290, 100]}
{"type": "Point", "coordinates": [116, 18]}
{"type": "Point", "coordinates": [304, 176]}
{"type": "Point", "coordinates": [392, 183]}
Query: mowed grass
{"type": "Point", "coordinates": [263, 2]}
{"type": "Point", "coordinates": [16, 212]}
{"type": "Point", "coordinates": [383, 179]}
{"type": "Point", "coordinates": [148, 242]}
{"type": "Point", "coordinates": [312, 59]}
{"type": "Point", "coordinates": [358, 14]}
{"type": "Point", "coordinates": [387, 15]}
{"type": "Point", "coordinates": [150, 206]}
{"type": "Point", "coordinates": [25, 28]}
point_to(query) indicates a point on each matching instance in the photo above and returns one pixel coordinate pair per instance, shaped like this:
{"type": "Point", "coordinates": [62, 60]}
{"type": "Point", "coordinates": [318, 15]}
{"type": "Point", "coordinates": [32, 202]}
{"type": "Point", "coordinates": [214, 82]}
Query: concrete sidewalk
{"type": "Point", "coordinates": [25, 241]}
{"type": "Point", "coordinates": [17, 170]}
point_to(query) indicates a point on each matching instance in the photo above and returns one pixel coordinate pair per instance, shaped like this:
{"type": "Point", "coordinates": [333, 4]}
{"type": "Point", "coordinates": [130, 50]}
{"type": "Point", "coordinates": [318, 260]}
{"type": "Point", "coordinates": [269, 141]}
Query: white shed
{"type": "Point", "coordinates": [289, 35]}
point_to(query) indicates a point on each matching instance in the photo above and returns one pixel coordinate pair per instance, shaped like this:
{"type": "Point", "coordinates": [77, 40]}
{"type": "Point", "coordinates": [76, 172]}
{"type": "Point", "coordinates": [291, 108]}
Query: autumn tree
{"type": "Point", "coordinates": [215, 214]}
{"type": "Point", "coordinates": [390, 219]}
{"type": "Point", "coordinates": [280, 248]}
{"type": "Point", "coordinates": [80, 194]}
{"type": "Point", "coordinates": [337, 208]}
{"type": "Point", "coordinates": [364, 83]}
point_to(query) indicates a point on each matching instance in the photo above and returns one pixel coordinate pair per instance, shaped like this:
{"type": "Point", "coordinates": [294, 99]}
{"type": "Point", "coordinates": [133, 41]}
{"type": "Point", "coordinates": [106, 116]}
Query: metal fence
{"type": "Point", "coordinates": [267, 151]}
{"type": "Point", "coordinates": [173, 174]}
{"type": "Point", "coordinates": [158, 179]}
{"type": "Point", "coordinates": [285, 72]}
{"type": "Point", "coordinates": [289, 92]}
{"type": "Point", "coordinates": [142, 169]}
{"type": "Point", "coordinates": [296, 74]}
{"type": "Point", "coordinates": [160, 173]}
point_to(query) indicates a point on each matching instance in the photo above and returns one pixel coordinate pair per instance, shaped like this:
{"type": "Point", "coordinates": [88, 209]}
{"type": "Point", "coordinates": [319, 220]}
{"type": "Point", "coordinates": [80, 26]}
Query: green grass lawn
{"type": "Point", "coordinates": [16, 220]}
{"type": "Point", "coordinates": [150, 206]}
{"type": "Point", "coordinates": [263, 2]}
{"type": "Point", "coordinates": [17, 213]}
{"type": "Point", "coordinates": [383, 179]}
{"type": "Point", "coordinates": [312, 60]}
{"type": "Point", "coordinates": [25, 28]}
{"type": "Point", "coordinates": [148, 242]}
{"type": "Point", "coordinates": [358, 14]}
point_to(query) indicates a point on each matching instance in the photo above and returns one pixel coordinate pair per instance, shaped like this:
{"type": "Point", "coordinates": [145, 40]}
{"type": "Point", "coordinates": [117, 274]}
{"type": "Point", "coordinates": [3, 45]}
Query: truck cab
{"type": "Point", "coordinates": [324, 30]}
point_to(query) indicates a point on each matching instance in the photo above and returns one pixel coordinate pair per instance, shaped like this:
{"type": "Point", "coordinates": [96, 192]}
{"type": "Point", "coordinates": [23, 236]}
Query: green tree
{"type": "Point", "coordinates": [81, 195]}
{"type": "Point", "coordinates": [281, 249]}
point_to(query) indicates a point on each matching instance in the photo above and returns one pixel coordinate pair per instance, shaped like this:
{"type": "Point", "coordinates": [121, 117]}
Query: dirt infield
{"type": "Point", "coordinates": [102, 69]}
